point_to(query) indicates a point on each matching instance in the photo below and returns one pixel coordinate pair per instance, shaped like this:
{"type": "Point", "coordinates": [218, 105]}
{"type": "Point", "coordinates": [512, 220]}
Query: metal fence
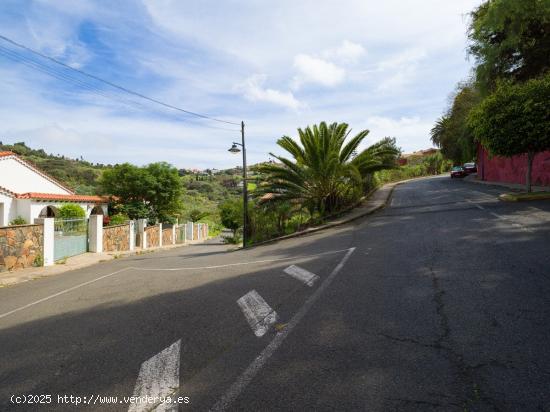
{"type": "Point", "coordinates": [70, 237]}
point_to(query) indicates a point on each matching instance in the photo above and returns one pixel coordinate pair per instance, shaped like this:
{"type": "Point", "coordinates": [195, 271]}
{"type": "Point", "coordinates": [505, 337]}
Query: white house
{"type": "Point", "coordinates": [30, 193]}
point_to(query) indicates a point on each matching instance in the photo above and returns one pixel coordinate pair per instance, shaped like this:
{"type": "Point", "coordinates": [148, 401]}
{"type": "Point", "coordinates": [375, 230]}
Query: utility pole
{"type": "Point", "coordinates": [234, 149]}
{"type": "Point", "coordinates": [245, 191]}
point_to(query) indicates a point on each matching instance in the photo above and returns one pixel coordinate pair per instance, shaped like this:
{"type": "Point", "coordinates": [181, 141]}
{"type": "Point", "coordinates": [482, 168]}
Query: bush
{"type": "Point", "coordinates": [118, 219]}
{"type": "Point", "coordinates": [231, 213]}
{"type": "Point", "coordinates": [18, 221]}
{"type": "Point", "coordinates": [71, 211]}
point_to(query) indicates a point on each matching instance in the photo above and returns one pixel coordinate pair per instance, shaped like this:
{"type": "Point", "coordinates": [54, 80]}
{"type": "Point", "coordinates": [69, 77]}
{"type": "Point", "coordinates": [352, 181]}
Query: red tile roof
{"type": "Point", "coordinates": [2, 154]}
{"type": "Point", "coordinates": [66, 198]}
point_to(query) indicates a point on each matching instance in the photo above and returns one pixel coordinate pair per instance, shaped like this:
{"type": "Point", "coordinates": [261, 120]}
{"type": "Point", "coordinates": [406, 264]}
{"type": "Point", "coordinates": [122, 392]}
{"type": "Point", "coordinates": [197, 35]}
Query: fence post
{"type": "Point", "coordinates": [174, 234]}
{"type": "Point", "coordinates": [160, 234]}
{"type": "Point", "coordinates": [189, 228]}
{"type": "Point", "coordinates": [49, 230]}
{"type": "Point", "coordinates": [142, 223]}
{"type": "Point", "coordinates": [96, 233]}
{"type": "Point", "coordinates": [132, 234]}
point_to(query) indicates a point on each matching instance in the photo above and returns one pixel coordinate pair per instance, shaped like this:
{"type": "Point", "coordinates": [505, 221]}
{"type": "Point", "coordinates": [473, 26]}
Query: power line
{"type": "Point", "coordinates": [60, 75]}
{"type": "Point", "coordinates": [10, 54]}
{"type": "Point", "coordinates": [116, 86]}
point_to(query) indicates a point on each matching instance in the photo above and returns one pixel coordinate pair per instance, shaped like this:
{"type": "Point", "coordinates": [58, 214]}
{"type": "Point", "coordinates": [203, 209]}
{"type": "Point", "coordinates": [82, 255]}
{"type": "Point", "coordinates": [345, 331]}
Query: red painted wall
{"type": "Point", "coordinates": [513, 169]}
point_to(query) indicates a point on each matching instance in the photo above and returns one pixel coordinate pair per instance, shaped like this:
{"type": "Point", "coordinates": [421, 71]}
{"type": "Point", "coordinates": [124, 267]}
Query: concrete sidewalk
{"type": "Point", "coordinates": [77, 262]}
{"type": "Point", "coordinates": [511, 186]}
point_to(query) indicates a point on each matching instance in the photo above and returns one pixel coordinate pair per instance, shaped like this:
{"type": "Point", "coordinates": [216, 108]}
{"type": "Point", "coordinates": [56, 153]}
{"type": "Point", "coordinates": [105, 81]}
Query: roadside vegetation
{"type": "Point", "coordinates": [504, 105]}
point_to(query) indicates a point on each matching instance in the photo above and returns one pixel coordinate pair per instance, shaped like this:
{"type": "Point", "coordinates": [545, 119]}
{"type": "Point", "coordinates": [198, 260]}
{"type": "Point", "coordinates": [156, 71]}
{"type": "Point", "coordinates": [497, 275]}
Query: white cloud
{"type": "Point", "coordinates": [393, 82]}
{"type": "Point", "coordinates": [315, 70]}
{"type": "Point", "coordinates": [400, 69]}
{"type": "Point", "coordinates": [253, 89]}
{"type": "Point", "coordinates": [347, 53]}
{"type": "Point", "coordinates": [412, 133]}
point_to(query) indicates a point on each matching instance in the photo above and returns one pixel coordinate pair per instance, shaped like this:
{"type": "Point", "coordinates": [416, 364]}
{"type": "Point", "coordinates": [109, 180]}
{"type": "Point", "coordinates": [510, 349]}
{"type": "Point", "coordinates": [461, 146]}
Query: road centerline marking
{"type": "Point", "coordinates": [258, 363]}
{"type": "Point", "coordinates": [257, 312]}
{"type": "Point", "coordinates": [301, 274]}
{"type": "Point", "coordinates": [253, 262]}
{"type": "Point", "coordinates": [158, 377]}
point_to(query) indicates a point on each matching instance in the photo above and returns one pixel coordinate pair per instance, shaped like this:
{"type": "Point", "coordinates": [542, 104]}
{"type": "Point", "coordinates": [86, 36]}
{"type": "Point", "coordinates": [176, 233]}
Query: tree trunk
{"type": "Point", "coordinates": [530, 157]}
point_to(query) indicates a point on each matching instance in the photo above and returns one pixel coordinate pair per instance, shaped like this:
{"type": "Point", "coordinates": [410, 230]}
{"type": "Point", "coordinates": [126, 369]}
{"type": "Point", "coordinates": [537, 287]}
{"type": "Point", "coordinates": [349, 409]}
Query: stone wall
{"type": "Point", "coordinates": [21, 246]}
{"type": "Point", "coordinates": [167, 236]}
{"type": "Point", "coordinates": [153, 235]}
{"type": "Point", "coordinates": [116, 238]}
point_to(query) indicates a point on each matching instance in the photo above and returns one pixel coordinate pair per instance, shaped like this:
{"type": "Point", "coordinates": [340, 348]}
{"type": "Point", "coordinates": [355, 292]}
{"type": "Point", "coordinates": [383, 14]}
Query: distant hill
{"type": "Point", "coordinates": [82, 176]}
{"type": "Point", "coordinates": [78, 174]}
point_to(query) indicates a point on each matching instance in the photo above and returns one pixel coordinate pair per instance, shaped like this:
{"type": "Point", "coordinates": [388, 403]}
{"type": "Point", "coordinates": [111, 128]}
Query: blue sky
{"type": "Point", "coordinates": [384, 66]}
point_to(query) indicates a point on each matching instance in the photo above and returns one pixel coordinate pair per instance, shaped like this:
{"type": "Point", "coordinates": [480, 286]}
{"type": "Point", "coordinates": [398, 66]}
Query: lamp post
{"type": "Point", "coordinates": [235, 149]}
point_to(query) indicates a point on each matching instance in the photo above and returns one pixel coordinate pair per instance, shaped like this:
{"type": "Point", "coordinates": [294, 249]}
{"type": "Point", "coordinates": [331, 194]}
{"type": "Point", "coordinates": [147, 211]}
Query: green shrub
{"type": "Point", "coordinates": [71, 211]}
{"type": "Point", "coordinates": [118, 219]}
{"type": "Point", "coordinates": [18, 221]}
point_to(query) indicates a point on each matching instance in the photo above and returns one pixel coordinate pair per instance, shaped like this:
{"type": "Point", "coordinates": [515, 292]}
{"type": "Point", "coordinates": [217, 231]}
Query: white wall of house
{"type": "Point", "coordinates": [5, 208]}
{"type": "Point", "coordinates": [23, 208]}
{"type": "Point", "coordinates": [19, 178]}
{"type": "Point", "coordinates": [30, 209]}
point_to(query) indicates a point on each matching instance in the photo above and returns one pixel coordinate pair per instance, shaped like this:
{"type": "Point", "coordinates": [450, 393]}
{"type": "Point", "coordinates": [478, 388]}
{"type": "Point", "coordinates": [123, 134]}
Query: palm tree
{"type": "Point", "coordinates": [325, 173]}
{"type": "Point", "coordinates": [438, 131]}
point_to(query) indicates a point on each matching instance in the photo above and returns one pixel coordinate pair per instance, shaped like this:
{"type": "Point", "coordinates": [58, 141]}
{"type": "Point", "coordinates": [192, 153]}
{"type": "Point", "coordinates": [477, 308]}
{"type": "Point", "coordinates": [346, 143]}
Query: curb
{"type": "Point", "coordinates": [523, 197]}
{"type": "Point", "coordinates": [340, 222]}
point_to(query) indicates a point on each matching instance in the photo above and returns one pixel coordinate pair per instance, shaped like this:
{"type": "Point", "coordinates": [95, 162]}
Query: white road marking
{"type": "Point", "coordinates": [301, 274]}
{"type": "Point", "coordinates": [242, 381]}
{"type": "Point", "coordinates": [500, 217]}
{"type": "Point", "coordinates": [158, 377]}
{"type": "Point", "coordinates": [257, 312]}
{"type": "Point", "coordinates": [61, 293]}
{"type": "Point", "coordinates": [243, 263]}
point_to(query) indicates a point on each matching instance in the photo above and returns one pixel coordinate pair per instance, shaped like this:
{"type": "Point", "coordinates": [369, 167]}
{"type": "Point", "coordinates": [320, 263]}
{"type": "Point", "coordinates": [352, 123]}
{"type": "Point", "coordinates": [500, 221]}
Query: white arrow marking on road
{"type": "Point", "coordinates": [258, 313]}
{"type": "Point", "coordinates": [158, 376]}
{"type": "Point", "coordinates": [301, 274]}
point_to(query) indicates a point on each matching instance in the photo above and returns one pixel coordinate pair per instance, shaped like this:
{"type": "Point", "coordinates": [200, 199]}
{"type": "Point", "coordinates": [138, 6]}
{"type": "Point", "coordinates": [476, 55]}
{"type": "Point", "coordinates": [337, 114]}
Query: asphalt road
{"type": "Point", "coordinates": [441, 301]}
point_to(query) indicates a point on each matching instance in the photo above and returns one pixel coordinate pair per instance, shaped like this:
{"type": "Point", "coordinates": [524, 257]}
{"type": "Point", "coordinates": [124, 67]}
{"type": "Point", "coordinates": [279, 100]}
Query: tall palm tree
{"type": "Point", "coordinates": [325, 173]}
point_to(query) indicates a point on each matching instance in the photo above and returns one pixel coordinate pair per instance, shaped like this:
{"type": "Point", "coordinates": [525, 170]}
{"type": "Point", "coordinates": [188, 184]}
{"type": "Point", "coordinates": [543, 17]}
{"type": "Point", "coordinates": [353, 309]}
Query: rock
{"type": "Point", "coordinates": [10, 262]}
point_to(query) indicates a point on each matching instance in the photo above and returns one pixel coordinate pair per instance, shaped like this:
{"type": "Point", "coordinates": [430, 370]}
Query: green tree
{"type": "Point", "coordinates": [231, 213]}
{"type": "Point", "coordinates": [164, 194]}
{"type": "Point", "coordinates": [515, 119]}
{"type": "Point", "coordinates": [510, 39]}
{"type": "Point", "coordinates": [195, 215]}
{"type": "Point", "coordinates": [325, 173]}
{"type": "Point", "coordinates": [71, 211]}
{"type": "Point", "coordinates": [451, 132]}
{"type": "Point", "coordinates": [153, 192]}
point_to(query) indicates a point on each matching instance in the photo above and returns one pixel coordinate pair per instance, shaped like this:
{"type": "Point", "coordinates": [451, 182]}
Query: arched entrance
{"type": "Point", "coordinates": [97, 210]}
{"type": "Point", "coordinates": [48, 211]}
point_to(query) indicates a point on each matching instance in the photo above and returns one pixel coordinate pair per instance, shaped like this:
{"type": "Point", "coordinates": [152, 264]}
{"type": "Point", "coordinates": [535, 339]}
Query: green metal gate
{"type": "Point", "coordinates": [70, 238]}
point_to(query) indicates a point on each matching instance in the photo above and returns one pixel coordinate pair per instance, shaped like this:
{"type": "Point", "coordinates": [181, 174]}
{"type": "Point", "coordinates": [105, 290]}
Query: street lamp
{"type": "Point", "coordinates": [235, 149]}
